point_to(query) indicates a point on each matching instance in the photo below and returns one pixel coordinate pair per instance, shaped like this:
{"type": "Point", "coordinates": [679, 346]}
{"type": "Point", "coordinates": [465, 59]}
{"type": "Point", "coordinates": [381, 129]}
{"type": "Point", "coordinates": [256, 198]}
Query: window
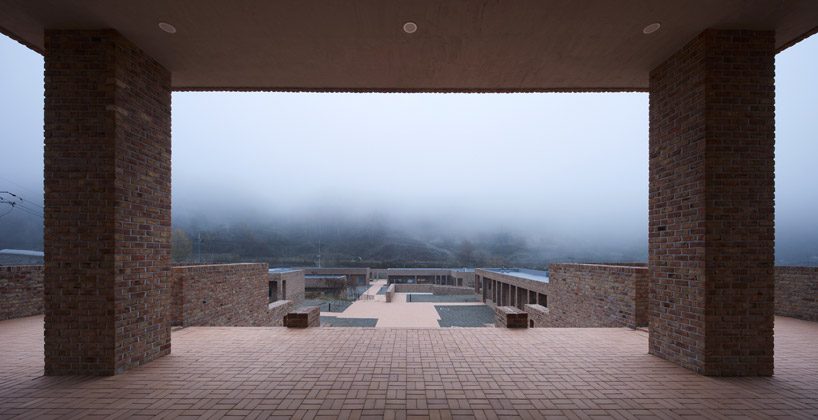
{"type": "Point", "coordinates": [272, 292]}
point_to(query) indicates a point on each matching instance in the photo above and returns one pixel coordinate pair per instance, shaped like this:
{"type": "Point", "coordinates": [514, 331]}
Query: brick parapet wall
{"type": "Point", "coordinates": [277, 310]}
{"type": "Point", "coordinates": [796, 292]}
{"type": "Point", "coordinates": [21, 291]}
{"type": "Point", "coordinates": [537, 315]}
{"type": "Point", "coordinates": [228, 295]}
{"type": "Point", "coordinates": [593, 295]}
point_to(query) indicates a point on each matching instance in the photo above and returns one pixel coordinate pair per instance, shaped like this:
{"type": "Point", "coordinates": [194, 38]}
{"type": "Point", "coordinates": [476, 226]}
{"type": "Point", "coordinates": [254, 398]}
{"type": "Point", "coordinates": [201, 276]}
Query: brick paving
{"type": "Point", "coordinates": [483, 373]}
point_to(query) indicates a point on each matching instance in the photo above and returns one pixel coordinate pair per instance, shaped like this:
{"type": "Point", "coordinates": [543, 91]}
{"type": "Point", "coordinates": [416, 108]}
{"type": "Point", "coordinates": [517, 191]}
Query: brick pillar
{"type": "Point", "coordinates": [711, 204]}
{"type": "Point", "coordinates": [107, 204]}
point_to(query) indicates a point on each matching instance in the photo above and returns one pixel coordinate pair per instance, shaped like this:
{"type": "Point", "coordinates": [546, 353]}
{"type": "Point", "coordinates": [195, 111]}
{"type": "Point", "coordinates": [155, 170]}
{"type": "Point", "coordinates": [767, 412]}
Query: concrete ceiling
{"type": "Point", "coordinates": [359, 45]}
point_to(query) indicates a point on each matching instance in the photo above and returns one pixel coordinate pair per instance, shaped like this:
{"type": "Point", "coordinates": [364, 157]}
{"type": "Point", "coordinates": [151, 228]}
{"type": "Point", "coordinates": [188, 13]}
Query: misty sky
{"type": "Point", "coordinates": [572, 166]}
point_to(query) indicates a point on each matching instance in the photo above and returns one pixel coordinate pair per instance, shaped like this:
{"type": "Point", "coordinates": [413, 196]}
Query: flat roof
{"type": "Point", "coordinates": [523, 273]}
{"type": "Point", "coordinates": [360, 45]}
{"type": "Point", "coordinates": [282, 270]}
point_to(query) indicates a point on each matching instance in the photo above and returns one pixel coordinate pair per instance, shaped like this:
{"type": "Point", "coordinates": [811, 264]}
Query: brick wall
{"type": "Point", "coordinates": [231, 295]}
{"type": "Point", "coordinates": [711, 232]}
{"type": "Point", "coordinates": [593, 295]}
{"type": "Point", "coordinates": [107, 204]}
{"type": "Point", "coordinates": [537, 315]}
{"type": "Point", "coordinates": [277, 310]}
{"type": "Point", "coordinates": [21, 291]}
{"type": "Point", "coordinates": [796, 292]}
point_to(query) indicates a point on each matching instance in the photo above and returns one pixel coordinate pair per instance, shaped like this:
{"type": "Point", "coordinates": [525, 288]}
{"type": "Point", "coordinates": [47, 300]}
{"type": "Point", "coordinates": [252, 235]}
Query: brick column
{"type": "Point", "coordinates": [711, 204]}
{"type": "Point", "coordinates": [107, 204]}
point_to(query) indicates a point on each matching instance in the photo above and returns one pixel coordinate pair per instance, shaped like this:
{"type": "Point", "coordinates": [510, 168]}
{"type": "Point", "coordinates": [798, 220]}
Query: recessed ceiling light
{"type": "Point", "coordinates": [410, 27]}
{"type": "Point", "coordinates": [167, 27]}
{"type": "Point", "coordinates": [653, 27]}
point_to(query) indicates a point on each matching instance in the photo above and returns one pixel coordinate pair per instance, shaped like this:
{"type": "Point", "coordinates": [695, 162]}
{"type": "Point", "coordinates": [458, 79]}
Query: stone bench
{"type": "Point", "coordinates": [510, 317]}
{"type": "Point", "coordinates": [306, 317]}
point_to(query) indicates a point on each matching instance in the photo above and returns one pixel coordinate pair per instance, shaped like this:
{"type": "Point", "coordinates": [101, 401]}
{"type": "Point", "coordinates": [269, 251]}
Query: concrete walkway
{"type": "Point", "coordinates": [398, 313]}
{"type": "Point", "coordinates": [373, 291]}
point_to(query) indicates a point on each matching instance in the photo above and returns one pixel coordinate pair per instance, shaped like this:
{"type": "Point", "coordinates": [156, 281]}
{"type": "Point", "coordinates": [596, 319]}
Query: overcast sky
{"type": "Point", "coordinates": [571, 165]}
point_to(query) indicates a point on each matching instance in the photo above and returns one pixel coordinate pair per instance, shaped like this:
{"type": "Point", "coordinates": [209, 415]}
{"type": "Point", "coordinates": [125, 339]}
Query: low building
{"type": "Point", "coordinates": [286, 284]}
{"type": "Point", "coordinates": [571, 295]}
{"type": "Point", "coordinates": [512, 286]}
{"type": "Point", "coordinates": [325, 281]}
{"type": "Point", "coordinates": [358, 276]}
{"type": "Point", "coordinates": [463, 277]}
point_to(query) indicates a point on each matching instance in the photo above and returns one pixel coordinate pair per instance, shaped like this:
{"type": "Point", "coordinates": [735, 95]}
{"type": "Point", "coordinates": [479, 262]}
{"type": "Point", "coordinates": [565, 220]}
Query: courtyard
{"type": "Point", "coordinates": [411, 310]}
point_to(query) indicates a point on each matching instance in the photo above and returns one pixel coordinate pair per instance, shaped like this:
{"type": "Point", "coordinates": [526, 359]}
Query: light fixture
{"type": "Point", "coordinates": [410, 27]}
{"type": "Point", "coordinates": [167, 27]}
{"type": "Point", "coordinates": [653, 27]}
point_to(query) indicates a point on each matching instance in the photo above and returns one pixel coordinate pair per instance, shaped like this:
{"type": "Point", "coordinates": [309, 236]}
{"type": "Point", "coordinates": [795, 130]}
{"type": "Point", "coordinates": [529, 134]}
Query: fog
{"type": "Point", "coordinates": [565, 174]}
{"type": "Point", "coordinates": [464, 162]}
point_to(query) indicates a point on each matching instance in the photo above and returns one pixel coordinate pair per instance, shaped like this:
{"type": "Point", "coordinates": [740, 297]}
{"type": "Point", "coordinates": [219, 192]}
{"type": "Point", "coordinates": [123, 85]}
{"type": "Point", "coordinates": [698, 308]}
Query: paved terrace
{"type": "Point", "coordinates": [402, 373]}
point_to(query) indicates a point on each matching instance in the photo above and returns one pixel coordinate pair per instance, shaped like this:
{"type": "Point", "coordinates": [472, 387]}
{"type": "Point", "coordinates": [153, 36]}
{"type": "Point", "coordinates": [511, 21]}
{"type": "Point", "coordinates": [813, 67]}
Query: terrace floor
{"type": "Point", "coordinates": [404, 373]}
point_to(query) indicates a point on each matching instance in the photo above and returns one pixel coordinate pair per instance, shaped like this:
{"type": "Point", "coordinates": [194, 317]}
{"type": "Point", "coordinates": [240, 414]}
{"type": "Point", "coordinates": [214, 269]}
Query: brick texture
{"type": "Point", "coordinates": [796, 292]}
{"type": "Point", "coordinates": [711, 226]}
{"type": "Point", "coordinates": [537, 315]}
{"type": "Point", "coordinates": [307, 317]}
{"type": "Point", "coordinates": [107, 204]}
{"type": "Point", "coordinates": [510, 317]}
{"type": "Point", "coordinates": [21, 291]}
{"type": "Point", "coordinates": [594, 295]}
{"type": "Point", "coordinates": [224, 295]}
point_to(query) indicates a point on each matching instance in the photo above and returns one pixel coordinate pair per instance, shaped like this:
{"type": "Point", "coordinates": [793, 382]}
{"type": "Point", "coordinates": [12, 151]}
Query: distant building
{"type": "Point", "coordinates": [286, 284]}
{"type": "Point", "coordinates": [357, 276]}
{"type": "Point", "coordinates": [326, 281]}
{"type": "Point", "coordinates": [512, 286]}
{"type": "Point", "coordinates": [444, 276]}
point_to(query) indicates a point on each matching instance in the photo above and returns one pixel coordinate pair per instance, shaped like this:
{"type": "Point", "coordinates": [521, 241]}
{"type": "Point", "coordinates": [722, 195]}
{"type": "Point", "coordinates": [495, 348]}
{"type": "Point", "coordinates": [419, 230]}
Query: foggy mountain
{"type": "Point", "coordinates": [381, 240]}
{"type": "Point", "coordinates": [373, 243]}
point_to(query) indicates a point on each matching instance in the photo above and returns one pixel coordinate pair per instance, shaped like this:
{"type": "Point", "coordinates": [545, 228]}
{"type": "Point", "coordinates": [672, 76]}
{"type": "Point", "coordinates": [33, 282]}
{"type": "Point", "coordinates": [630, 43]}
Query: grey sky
{"type": "Point", "coordinates": [572, 166]}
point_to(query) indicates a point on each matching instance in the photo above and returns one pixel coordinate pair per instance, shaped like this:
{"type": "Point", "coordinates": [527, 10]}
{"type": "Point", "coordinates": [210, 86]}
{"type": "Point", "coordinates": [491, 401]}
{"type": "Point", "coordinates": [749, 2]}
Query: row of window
{"type": "Point", "coordinates": [504, 294]}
